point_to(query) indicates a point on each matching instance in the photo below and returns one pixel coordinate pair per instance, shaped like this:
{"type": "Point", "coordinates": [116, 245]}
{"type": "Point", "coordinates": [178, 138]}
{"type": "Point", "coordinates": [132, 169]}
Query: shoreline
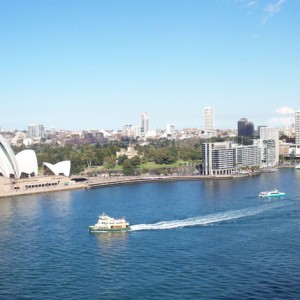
{"type": "Point", "coordinates": [99, 182]}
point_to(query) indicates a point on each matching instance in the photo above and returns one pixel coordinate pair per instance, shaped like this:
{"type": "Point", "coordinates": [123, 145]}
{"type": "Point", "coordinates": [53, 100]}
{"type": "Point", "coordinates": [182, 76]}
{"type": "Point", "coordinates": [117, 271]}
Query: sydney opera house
{"type": "Point", "coordinates": [20, 172]}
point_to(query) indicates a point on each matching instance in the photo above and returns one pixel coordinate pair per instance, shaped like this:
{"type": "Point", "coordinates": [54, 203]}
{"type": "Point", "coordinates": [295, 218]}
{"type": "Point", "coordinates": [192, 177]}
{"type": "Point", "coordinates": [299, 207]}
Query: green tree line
{"type": "Point", "coordinates": [82, 157]}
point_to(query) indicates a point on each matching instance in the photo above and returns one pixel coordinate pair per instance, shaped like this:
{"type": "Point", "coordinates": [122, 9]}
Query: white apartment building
{"type": "Point", "coordinates": [218, 158]}
{"type": "Point", "coordinates": [132, 130]}
{"type": "Point", "coordinates": [226, 158]}
{"type": "Point", "coordinates": [36, 131]}
{"type": "Point", "coordinates": [269, 142]}
{"type": "Point", "coordinates": [170, 128]}
{"type": "Point", "coordinates": [297, 128]}
{"type": "Point", "coordinates": [248, 156]}
{"type": "Point", "coordinates": [136, 130]}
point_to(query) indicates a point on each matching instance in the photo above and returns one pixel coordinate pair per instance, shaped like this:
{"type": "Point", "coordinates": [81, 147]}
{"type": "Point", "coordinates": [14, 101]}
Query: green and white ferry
{"type": "Point", "coordinates": [106, 223]}
{"type": "Point", "coordinates": [274, 193]}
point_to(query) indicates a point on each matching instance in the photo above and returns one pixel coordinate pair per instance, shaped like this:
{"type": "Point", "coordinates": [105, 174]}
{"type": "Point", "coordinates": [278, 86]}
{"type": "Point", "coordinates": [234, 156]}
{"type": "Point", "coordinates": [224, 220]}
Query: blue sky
{"type": "Point", "coordinates": [83, 64]}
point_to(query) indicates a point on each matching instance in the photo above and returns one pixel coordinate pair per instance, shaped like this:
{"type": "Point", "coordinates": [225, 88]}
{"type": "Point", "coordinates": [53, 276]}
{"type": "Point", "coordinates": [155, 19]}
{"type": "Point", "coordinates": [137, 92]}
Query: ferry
{"type": "Point", "coordinates": [274, 193]}
{"type": "Point", "coordinates": [106, 223]}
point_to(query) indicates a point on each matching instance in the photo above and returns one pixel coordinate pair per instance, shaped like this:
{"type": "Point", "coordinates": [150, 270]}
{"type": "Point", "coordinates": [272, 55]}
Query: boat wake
{"type": "Point", "coordinates": [208, 219]}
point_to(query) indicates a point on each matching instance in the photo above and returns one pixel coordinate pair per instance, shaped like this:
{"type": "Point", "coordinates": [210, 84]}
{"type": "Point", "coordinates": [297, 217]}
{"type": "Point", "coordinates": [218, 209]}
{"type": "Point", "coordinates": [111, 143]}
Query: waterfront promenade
{"type": "Point", "coordinates": [110, 181]}
{"type": "Point", "coordinates": [98, 182]}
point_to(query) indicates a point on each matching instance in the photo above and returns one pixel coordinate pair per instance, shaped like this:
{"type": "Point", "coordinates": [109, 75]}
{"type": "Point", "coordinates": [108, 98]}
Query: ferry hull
{"type": "Point", "coordinates": [92, 229]}
{"type": "Point", "coordinates": [271, 196]}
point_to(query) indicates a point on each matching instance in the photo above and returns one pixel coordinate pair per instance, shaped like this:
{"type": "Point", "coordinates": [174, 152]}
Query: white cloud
{"type": "Point", "coordinates": [280, 122]}
{"type": "Point", "coordinates": [251, 3]}
{"type": "Point", "coordinates": [285, 110]}
{"type": "Point", "coordinates": [273, 8]}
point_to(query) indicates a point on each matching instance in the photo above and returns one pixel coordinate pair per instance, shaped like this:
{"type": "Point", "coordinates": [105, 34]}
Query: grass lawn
{"type": "Point", "coordinates": [148, 166]}
{"type": "Point", "coordinates": [153, 166]}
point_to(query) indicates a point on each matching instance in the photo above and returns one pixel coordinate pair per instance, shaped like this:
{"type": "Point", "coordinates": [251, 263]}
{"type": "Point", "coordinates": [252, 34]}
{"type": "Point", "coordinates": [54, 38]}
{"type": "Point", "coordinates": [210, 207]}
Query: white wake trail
{"type": "Point", "coordinates": [205, 220]}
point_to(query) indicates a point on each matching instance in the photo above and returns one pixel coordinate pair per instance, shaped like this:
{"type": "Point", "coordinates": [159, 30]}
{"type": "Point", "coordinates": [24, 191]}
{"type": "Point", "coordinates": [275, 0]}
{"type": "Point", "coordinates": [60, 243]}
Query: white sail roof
{"type": "Point", "coordinates": [60, 168]}
{"type": "Point", "coordinates": [27, 163]}
{"type": "Point", "coordinates": [8, 163]}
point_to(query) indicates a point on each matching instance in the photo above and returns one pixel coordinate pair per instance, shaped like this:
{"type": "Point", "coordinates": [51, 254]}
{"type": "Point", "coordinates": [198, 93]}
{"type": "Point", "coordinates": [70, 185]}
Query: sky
{"type": "Point", "coordinates": [98, 64]}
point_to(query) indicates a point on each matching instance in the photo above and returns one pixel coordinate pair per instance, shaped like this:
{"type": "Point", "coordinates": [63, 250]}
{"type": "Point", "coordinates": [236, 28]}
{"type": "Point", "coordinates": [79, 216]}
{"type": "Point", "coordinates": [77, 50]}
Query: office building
{"type": "Point", "coordinates": [245, 128]}
{"type": "Point", "coordinates": [209, 122]}
{"type": "Point", "coordinates": [144, 123]}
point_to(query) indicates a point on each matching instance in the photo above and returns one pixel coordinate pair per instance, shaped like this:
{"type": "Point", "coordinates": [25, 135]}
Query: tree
{"type": "Point", "coordinates": [128, 168]}
{"type": "Point", "coordinates": [190, 154]}
{"type": "Point", "coordinates": [122, 159]}
{"type": "Point", "coordinates": [76, 162]}
{"type": "Point", "coordinates": [135, 161]}
{"type": "Point", "coordinates": [89, 156]}
{"type": "Point", "coordinates": [164, 156]}
{"type": "Point", "coordinates": [109, 162]}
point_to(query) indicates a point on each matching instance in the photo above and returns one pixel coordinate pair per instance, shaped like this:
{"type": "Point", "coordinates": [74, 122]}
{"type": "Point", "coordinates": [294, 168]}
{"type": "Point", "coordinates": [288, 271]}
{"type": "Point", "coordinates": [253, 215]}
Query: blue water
{"type": "Point", "coordinates": [190, 240]}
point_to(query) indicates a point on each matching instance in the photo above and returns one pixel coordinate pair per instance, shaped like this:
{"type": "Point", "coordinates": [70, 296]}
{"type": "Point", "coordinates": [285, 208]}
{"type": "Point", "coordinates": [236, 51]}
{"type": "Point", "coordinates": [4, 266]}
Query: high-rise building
{"type": "Point", "coordinates": [170, 128]}
{"type": "Point", "coordinates": [226, 158]}
{"type": "Point", "coordinates": [208, 121]}
{"type": "Point", "coordinates": [36, 131]}
{"type": "Point", "coordinates": [269, 139]}
{"type": "Point", "coordinates": [248, 156]}
{"type": "Point", "coordinates": [258, 129]}
{"type": "Point", "coordinates": [245, 128]}
{"type": "Point", "coordinates": [136, 129]}
{"type": "Point", "coordinates": [297, 128]}
{"type": "Point", "coordinates": [131, 130]}
{"type": "Point", "coordinates": [144, 123]}
{"type": "Point", "coordinates": [218, 158]}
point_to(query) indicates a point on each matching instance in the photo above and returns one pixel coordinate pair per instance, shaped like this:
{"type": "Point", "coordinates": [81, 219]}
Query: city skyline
{"type": "Point", "coordinates": [145, 121]}
{"type": "Point", "coordinates": [99, 64]}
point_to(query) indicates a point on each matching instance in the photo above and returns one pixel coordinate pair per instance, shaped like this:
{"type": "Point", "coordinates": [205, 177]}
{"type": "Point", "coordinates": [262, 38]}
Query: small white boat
{"type": "Point", "coordinates": [297, 167]}
{"type": "Point", "coordinates": [242, 173]}
{"type": "Point", "coordinates": [106, 223]}
{"type": "Point", "coordinates": [274, 193]}
{"type": "Point", "coordinates": [269, 170]}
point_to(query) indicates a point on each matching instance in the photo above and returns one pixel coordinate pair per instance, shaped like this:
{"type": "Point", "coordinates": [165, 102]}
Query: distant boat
{"type": "Point", "coordinates": [241, 173]}
{"type": "Point", "coordinates": [269, 170]}
{"type": "Point", "coordinates": [255, 172]}
{"type": "Point", "coordinates": [274, 193]}
{"type": "Point", "coordinates": [106, 223]}
{"type": "Point", "coordinates": [297, 167]}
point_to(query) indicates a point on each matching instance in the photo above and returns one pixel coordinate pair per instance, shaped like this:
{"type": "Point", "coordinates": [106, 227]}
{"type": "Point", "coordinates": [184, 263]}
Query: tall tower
{"type": "Point", "coordinates": [297, 128]}
{"type": "Point", "coordinates": [144, 123]}
{"type": "Point", "coordinates": [209, 121]}
{"type": "Point", "coordinates": [269, 139]}
{"type": "Point", "coordinates": [36, 131]}
{"type": "Point", "coordinates": [245, 128]}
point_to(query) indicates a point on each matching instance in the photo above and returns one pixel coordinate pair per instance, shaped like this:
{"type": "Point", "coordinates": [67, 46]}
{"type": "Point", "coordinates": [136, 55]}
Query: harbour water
{"type": "Point", "coordinates": [190, 240]}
